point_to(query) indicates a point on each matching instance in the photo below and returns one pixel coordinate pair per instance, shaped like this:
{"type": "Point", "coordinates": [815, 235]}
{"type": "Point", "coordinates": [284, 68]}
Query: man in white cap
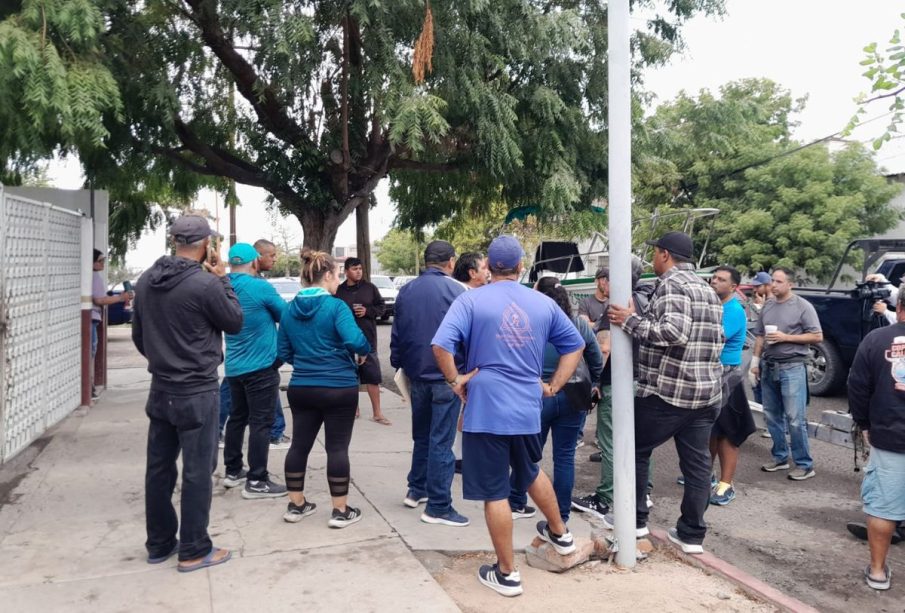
{"type": "Point", "coordinates": [183, 304]}
{"type": "Point", "coordinates": [503, 329]}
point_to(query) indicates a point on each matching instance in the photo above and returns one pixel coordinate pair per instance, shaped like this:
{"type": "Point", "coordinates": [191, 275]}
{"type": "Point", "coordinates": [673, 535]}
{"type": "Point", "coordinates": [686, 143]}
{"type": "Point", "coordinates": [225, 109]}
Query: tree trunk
{"type": "Point", "coordinates": [363, 237]}
{"type": "Point", "coordinates": [318, 227]}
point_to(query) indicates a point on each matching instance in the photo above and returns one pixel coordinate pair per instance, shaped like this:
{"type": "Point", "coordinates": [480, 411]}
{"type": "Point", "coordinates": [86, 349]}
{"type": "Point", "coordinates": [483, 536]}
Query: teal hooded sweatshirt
{"type": "Point", "coordinates": [319, 337]}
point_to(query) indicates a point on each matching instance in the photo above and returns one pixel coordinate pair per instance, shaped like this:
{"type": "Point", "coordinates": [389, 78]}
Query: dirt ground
{"type": "Point", "coordinates": [660, 583]}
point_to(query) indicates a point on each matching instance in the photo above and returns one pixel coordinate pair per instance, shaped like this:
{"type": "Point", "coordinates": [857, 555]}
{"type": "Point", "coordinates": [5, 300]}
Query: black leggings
{"type": "Point", "coordinates": [334, 407]}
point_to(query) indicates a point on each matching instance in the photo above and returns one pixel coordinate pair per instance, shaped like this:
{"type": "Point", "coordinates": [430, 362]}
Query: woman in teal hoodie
{"type": "Point", "coordinates": [319, 337]}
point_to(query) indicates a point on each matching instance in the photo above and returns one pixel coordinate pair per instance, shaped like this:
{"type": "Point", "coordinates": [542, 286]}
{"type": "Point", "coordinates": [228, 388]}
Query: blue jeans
{"type": "Point", "coordinates": [435, 412]}
{"type": "Point", "coordinates": [226, 402]}
{"type": "Point", "coordinates": [785, 391]}
{"type": "Point", "coordinates": [180, 424]}
{"type": "Point", "coordinates": [557, 415]}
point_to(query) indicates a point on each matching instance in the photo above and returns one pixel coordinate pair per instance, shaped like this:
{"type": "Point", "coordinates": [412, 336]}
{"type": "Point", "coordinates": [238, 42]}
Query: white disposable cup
{"type": "Point", "coordinates": [770, 330]}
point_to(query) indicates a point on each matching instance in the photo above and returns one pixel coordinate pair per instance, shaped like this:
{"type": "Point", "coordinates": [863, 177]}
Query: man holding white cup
{"type": "Point", "coordinates": [789, 324]}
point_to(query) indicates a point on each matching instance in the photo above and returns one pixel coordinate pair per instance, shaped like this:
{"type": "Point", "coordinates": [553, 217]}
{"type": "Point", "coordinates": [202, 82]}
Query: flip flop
{"type": "Point", "coordinates": [165, 557]}
{"type": "Point", "coordinates": [205, 562]}
{"type": "Point", "coordinates": [878, 584]}
{"type": "Point", "coordinates": [383, 421]}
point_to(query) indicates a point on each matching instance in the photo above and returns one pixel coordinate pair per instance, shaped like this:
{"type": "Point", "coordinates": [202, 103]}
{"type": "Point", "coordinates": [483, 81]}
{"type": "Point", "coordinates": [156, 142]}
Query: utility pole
{"type": "Point", "coordinates": [620, 245]}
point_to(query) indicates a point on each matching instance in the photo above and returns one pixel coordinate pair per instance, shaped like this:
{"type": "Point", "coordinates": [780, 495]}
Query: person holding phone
{"type": "Point", "coordinates": [183, 305]}
{"type": "Point", "coordinates": [318, 336]}
{"type": "Point", "coordinates": [100, 299]}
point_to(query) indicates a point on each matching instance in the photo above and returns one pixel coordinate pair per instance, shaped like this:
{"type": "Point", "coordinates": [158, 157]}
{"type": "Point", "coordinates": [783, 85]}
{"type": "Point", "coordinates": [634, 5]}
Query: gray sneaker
{"type": "Point", "coordinates": [235, 480]}
{"type": "Point", "coordinates": [278, 444]}
{"type": "Point", "coordinates": [800, 474]}
{"type": "Point", "coordinates": [772, 467]}
{"type": "Point", "coordinates": [263, 489]}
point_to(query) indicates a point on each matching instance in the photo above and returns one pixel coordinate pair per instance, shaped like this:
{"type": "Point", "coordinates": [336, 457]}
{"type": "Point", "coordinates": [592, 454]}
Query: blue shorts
{"type": "Point", "coordinates": [883, 488]}
{"type": "Point", "coordinates": [488, 458]}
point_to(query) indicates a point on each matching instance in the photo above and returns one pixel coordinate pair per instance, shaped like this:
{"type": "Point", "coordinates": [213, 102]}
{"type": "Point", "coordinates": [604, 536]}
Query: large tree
{"type": "Point", "coordinates": [781, 202]}
{"type": "Point", "coordinates": [316, 102]}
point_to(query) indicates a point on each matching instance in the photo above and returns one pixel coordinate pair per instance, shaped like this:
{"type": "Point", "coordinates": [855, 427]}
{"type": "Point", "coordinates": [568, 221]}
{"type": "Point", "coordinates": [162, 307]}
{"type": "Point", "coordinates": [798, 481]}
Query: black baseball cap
{"type": "Point", "coordinates": [191, 228]}
{"type": "Point", "coordinates": [603, 273]}
{"type": "Point", "coordinates": [677, 243]}
{"type": "Point", "coordinates": [438, 251]}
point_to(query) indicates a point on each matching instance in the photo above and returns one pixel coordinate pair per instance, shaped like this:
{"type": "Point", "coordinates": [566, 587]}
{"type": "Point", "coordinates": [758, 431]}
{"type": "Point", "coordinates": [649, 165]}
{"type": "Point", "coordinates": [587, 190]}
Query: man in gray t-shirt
{"type": "Point", "coordinates": [594, 306]}
{"type": "Point", "coordinates": [786, 326]}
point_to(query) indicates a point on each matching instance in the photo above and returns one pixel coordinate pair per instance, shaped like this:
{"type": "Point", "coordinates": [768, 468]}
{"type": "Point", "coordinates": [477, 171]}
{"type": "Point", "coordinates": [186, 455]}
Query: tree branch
{"type": "Point", "coordinates": [887, 95]}
{"type": "Point", "coordinates": [403, 164]}
{"type": "Point", "coordinates": [271, 112]}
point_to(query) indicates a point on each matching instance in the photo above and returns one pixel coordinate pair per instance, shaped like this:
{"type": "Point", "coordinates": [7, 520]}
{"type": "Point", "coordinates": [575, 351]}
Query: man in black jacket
{"type": "Point", "coordinates": [183, 304]}
{"type": "Point", "coordinates": [367, 305]}
{"type": "Point", "coordinates": [876, 398]}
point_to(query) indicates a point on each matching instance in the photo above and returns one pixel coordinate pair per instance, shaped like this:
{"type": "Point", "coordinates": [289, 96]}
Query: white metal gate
{"type": "Point", "coordinates": [40, 321]}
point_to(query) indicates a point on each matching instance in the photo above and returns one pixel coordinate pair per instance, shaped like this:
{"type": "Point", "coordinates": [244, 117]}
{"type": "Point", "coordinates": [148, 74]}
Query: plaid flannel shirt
{"type": "Point", "coordinates": [681, 338]}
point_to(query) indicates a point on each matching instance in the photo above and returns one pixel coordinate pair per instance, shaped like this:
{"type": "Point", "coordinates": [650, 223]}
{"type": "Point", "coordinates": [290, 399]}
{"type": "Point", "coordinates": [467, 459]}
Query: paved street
{"type": "Point", "coordinates": [791, 535]}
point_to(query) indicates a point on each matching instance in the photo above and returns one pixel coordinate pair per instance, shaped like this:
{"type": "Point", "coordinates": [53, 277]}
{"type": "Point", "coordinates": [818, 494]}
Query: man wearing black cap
{"type": "Point", "coordinates": [420, 307]}
{"type": "Point", "coordinates": [183, 305]}
{"type": "Point", "coordinates": [367, 305]}
{"type": "Point", "coordinates": [679, 381]}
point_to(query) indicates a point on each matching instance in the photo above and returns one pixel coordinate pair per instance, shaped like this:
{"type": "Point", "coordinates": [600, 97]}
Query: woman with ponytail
{"type": "Point", "coordinates": [319, 337]}
{"type": "Point", "coordinates": [558, 414]}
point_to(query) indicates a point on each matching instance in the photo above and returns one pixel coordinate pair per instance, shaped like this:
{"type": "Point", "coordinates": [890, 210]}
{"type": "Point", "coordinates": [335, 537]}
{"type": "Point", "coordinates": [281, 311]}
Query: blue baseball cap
{"type": "Point", "coordinates": [761, 278]}
{"type": "Point", "coordinates": [242, 253]}
{"type": "Point", "coordinates": [504, 253]}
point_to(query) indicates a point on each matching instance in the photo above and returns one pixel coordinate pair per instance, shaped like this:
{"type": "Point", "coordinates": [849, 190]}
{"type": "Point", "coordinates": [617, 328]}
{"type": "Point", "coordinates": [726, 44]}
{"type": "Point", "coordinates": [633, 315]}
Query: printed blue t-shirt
{"type": "Point", "coordinates": [504, 328]}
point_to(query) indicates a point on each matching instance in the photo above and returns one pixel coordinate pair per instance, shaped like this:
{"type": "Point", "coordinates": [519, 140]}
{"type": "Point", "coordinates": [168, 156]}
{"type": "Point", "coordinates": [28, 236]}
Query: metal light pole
{"type": "Point", "coordinates": [620, 244]}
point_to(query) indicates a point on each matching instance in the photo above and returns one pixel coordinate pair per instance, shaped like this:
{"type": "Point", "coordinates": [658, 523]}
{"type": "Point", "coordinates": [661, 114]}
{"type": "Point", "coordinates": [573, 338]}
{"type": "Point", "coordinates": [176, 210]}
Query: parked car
{"type": "Point", "coordinates": [118, 313]}
{"type": "Point", "coordinates": [287, 287]}
{"type": "Point", "coordinates": [389, 292]}
{"type": "Point", "coordinates": [401, 280]}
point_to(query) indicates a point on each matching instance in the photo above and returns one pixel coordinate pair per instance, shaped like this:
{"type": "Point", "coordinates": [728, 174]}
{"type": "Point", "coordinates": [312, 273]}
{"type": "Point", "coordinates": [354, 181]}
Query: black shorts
{"type": "Point", "coordinates": [369, 372]}
{"type": "Point", "coordinates": [735, 421]}
{"type": "Point", "coordinates": [488, 458]}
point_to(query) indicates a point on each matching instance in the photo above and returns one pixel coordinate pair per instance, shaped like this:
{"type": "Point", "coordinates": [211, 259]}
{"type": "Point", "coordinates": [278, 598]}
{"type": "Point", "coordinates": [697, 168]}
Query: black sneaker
{"type": "Point", "coordinates": [341, 519]}
{"type": "Point", "coordinates": [595, 457]}
{"type": "Point", "coordinates": [263, 489]}
{"type": "Point", "coordinates": [564, 544]}
{"type": "Point", "coordinates": [294, 513]}
{"type": "Point", "coordinates": [524, 513]}
{"type": "Point", "coordinates": [591, 504]}
{"type": "Point", "coordinates": [235, 479]}
{"type": "Point", "coordinates": [506, 585]}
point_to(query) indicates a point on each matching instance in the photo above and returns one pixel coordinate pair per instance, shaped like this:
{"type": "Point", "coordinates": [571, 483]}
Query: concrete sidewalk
{"type": "Point", "coordinates": [72, 531]}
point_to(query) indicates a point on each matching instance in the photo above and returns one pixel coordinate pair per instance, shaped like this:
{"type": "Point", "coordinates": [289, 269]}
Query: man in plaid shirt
{"type": "Point", "coordinates": [679, 387]}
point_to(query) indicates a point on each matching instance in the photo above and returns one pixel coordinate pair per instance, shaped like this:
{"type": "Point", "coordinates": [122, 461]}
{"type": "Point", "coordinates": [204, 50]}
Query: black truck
{"type": "Point", "coordinates": [846, 315]}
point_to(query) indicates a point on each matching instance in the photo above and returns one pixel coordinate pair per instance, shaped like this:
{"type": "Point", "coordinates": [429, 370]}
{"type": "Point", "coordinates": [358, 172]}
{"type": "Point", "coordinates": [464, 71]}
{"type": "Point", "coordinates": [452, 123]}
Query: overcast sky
{"type": "Point", "coordinates": [811, 47]}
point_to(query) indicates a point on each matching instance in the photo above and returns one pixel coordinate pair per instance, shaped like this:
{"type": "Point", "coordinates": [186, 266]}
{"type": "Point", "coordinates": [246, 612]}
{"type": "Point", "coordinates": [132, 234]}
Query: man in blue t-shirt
{"type": "Point", "coordinates": [252, 369]}
{"type": "Point", "coordinates": [735, 422]}
{"type": "Point", "coordinates": [503, 329]}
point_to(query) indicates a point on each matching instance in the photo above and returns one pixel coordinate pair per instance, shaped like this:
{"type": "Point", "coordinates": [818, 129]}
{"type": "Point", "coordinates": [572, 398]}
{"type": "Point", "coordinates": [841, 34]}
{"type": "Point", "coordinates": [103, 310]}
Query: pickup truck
{"type": "Point", "coordinates": [846, 315]}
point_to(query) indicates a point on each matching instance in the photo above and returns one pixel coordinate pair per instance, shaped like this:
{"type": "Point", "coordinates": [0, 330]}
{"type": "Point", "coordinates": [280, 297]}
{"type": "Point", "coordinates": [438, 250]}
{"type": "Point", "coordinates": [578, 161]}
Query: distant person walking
{"type": "Point", "coordinates": [252, 369]}
{"type": "Point", "coordinates": [100, 299]}
{"type": "Point", "coordinates": [503, 329]}
{"type": "Point", "coordinates": [420, 307]}
{"type": "Point", "coordinates": [876, 399]}
{"type": "Point", "coordinates": [318, 336]}
{"type": "Point", "coordinates": [786, 326]}
{"type": "Point", "coordinates": [679, 382]}
{"type": "Point", "coordinates": [183, 304]}
{"type": "Point", "coordinates": [368, 306]}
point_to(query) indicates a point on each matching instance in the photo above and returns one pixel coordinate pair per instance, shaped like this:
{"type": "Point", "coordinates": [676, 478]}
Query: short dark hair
{"type": "Point", "coordinates": [733, 273]}
{"type": "Point", "coordinates": [467, 261]}
{"type": "Point", "coordinates": [787, 271]}
{"type": "Point", "coordinates": [98, 254]}
{"type": "Point", "coordinates": [350, 262]}
{"type": "Point", "coordinates": [261, 243]}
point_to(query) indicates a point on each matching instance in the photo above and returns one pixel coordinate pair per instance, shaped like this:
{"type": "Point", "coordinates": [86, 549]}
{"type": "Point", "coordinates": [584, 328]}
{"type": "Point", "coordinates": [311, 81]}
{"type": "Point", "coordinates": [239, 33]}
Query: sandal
{"type": "Point", "coordinates": [206, 561]}
{"type": "Point", "coordinates": [383, 421]}
{"type": "Point", "coordinates": [164, 557]}
{"type": "Point", "coordinates": [878, 584]}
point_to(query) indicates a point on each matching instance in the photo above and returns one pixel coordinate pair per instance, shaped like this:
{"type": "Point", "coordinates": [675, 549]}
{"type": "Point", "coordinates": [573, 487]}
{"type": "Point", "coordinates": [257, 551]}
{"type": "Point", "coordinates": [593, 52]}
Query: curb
{"type": "Point", "coordinates": [749, 584]}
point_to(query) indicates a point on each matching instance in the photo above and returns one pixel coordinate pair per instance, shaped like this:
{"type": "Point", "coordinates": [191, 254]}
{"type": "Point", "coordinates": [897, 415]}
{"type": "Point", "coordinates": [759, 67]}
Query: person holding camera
{"type": "Point", "coordinates": [786, 326]}
{"type": "Point", "coordinates": [183, 304]}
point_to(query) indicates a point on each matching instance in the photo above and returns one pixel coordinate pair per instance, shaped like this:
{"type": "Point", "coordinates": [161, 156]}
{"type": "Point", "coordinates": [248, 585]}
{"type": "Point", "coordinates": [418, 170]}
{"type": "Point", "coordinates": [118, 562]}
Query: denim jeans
{"type": "Point", "coordinates": [186, 423]}
{"type": "Point", "coordinates": [558, 416]}
{"type": "Point", "coordinates": [252, 406]}
{"type": "Point", "coordinates": [785, 391]}
{"type": "Point", "coordinates": [279, 420]}
{"type": "Point", "coordinates": [657, 421]}
{"type": "Point", "coordinates": [435, 412]}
